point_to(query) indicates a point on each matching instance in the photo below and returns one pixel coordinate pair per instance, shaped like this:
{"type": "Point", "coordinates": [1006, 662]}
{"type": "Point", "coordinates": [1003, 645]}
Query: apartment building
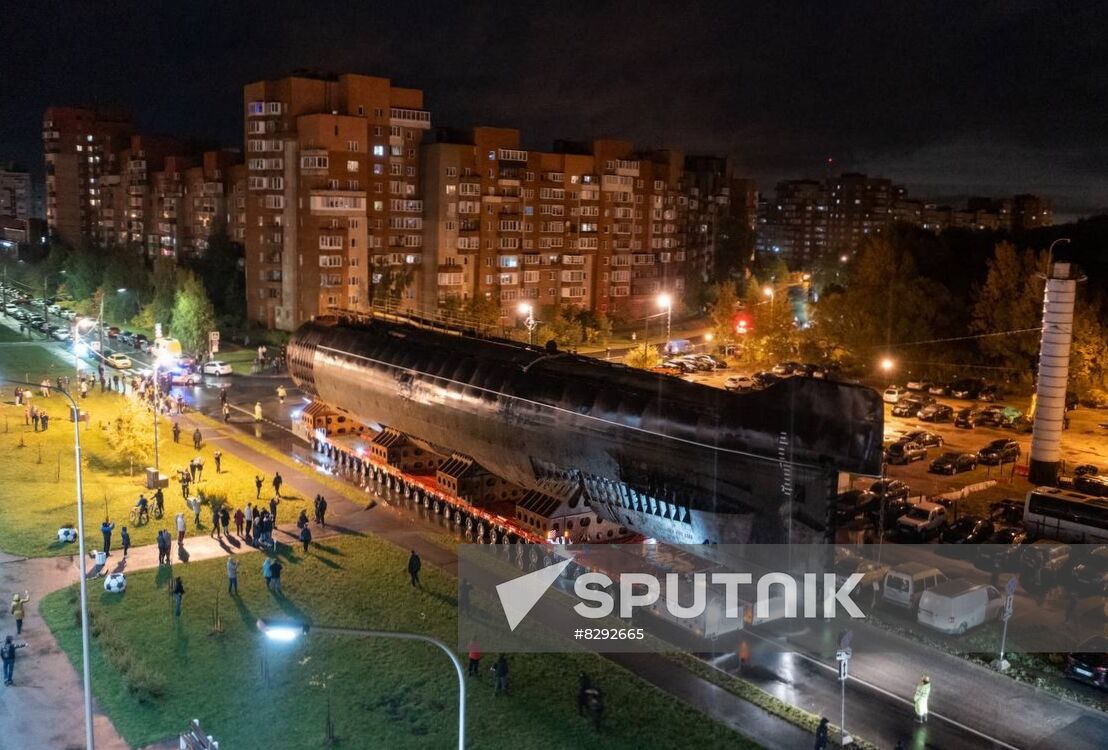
{"type": "Point", "coordinates": [585, 225]}
{"type": "Point", "coordinates": [202, 207]}
{"type": "Point", "coordinates": [80, 147]}
{"type": "Point", "coordinates": [793, 224]}
{"type": "Point", "coordinates": [333, 208]}
{"type": "Point", "coordinates": [1031, 212]}
{"type": "Point", "coordinates": [858, 206]}
{"type": "Point", "coordinates": [15, 192]}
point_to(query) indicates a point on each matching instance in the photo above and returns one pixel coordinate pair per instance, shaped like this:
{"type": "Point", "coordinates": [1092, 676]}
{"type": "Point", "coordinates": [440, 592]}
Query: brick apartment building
{"type": "Point", "coordinates": [592, 225]}
{"type": "Point", "coordinates": [333, 213]}
{"type": "Point", "coordinates": [81, 146]}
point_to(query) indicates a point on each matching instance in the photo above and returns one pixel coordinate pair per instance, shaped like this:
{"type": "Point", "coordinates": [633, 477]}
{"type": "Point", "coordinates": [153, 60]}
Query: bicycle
{"type": "Point", "coordinates": [139, 516]}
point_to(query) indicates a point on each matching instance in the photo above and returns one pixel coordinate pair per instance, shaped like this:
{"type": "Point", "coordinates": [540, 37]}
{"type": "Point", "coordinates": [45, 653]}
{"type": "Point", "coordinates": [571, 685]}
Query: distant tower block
{"type": "Point", "coordinates": [1054, 370]}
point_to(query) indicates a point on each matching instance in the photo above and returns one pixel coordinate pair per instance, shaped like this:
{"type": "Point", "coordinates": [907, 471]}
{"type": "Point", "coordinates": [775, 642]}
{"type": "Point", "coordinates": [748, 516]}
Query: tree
{"type": "Point", "coordinates": [1089, 351]}
{"type": "Point", "coordinates": [482, 310]}
{"type": "Point", "coordinates": [220, 268]}
{"type": "Point", "coordinates": [1011, 299]}
{"type": "Point", "coordinates": [721, 311]}
{"type": "Point", "coordinates": [83, 270]}
{"type": "Point", "coordinates": [131, 433]}
{"type": "Point", "coordinates": [643, 356]}
{"type": "Point", "coordinates": [885, 302]}
{"type": "Point", "coordinates": [165, 291]}
{"type": "Point", "coordinates": [193, 314]}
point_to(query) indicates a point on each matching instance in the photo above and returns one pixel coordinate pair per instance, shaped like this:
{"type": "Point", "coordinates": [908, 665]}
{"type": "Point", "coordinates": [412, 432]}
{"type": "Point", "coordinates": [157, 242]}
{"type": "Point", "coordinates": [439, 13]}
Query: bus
{"type": "Point", "coordinates": [1066, 515]}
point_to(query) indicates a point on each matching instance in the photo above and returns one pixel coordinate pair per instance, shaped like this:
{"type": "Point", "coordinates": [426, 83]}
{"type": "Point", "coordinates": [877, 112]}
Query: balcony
{"type": "Point", "coordinates": [337, 202]}
{"type": "Point", "coordinates": [410, 118]}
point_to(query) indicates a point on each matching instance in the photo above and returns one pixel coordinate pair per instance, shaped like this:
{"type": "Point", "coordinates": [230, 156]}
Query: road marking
{"type": "Point", "coordinates": [888, 693]}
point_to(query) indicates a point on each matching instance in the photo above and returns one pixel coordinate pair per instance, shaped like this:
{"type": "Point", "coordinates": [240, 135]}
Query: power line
{"type": "Point", "coordinates": [959, 338]}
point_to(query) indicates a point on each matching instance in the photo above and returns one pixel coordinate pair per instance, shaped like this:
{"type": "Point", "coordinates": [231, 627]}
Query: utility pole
{"type": "Point", "coordinates": [1001, 664]}
{"type": "Point", "coordinates": [843, 657]}
{"type": "Point", "coordinates": [45, 304]}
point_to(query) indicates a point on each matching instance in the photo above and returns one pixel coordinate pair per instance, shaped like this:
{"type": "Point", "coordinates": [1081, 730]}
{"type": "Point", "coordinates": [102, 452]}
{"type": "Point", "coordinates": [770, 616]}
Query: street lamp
{"type": "Point", "coordinates": [665, 302]}
{"type": "Point", "coordinates": [529, 322]}
{"type": "Point", "coordinates": [162, 360]}
{"type": "Point", "coordinates": [887, 365]}
{"type": "Point", "coordinates": [287, 631]}
{"type": "Point", "coordinates": [86, 672]}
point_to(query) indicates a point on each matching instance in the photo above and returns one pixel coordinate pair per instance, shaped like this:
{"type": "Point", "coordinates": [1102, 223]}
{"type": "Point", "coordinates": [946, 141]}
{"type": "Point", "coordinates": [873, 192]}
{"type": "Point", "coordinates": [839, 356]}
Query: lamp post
{"type": "Point", "coordinates": [100, 336]}
{"type": "Point", "coordinates": [665, 302]}
{"type": "Point", "coordinates": [529, 322]}
{"type": "Point", "coordinates": [288, 631]}
{"type": "Point", "coordinates": [85, 667]}
{"type": "Point", "coordinates": [887, 365]}
{"type": "Point", "coordinates": [159, 361]}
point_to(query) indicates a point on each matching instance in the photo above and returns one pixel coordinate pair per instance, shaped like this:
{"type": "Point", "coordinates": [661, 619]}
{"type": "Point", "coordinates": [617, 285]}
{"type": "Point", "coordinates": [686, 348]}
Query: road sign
{"type": "Point", "coordinates": [213, 341]}
{"type": "Point", "coordinates": [1010, 587]}
{"type": "Point", "coordinates": [157, 330]}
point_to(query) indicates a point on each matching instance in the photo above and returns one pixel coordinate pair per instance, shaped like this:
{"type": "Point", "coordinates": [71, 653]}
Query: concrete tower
{"type": "Point", "coordinates": [1054, 369]}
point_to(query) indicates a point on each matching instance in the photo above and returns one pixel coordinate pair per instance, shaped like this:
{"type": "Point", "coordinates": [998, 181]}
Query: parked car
{"type": "Point", "coordinates": [905, 583]}
{"type": "Point", "coordinates": [905, 452]}
{"type": "Point", "coordinates": [968, 530]}
{"type": "Point", "coordinates": [869, 570]}
{"type": "Point", "coordinates": [953, 463]}
{"type": "Point", "coordinates": [737, 383]}
{"type": "Point", "coordinates": [119, 361]}
{"type": "Point", "coordinates": [923, 519]}
{"type": "Point", "coordinates": [784, 368]}
{"type": "Point", "coordinates": [113, 331]}
{"type": "Point", "coordinates": [893, 394]}
{"type": "Point", "coordinates": [717, 363]}
{"type": "Point", "coordinates": [894, 509]}
{"type": "Point", "coordinates": [764, 379]}
{"type": "Point", "coordinates": [967, 388]}
{"type": "Point", "coordinates": [936, 413]}
{"type": "Point", "coordinates": [854, 503]}
{"type": "Point", "coordinates": [990, 416]}
{"type": "Point", "coordinates": [908, 405]}
{"type": "Point", "coordinates": [183, 377]}
{"type": "Point", "coordinates": [1002, 549]}
{"type": "Point", "coordinates": [1083, 469]}
{"type": "Point", "coordinates": [127, 337]}
{"type": "Point", "coordinates": [919, 384]}
{"type": "Point", "coordinates": [939, 389]}
{"type": "Point", "coordinates": [1044, 558]}
{"type": "Point", "coordinates": [1091, 484]}
{"type": "Point", "coordinates": [892, 489]}
{"type": "Point", "coordinates": [1089, 664]}
{"type": "Point", "coordinates": [990, 393]}
{"type": "Point", "coordinates": [216, 367]}
{"type": "Point", "coordinates": [1006, 512]}
{"type": "Point", "coordinates": [956, 606]}
{"type": "Point", "coordinates": [680, 365]}
{"type": "Point", "coordinates": [966, 418]}
{"type": "Point", "coordinates": [999, 451]}
{"type": "Point", "coordinates": [924, 438]}
{"type": "Point", "coordinates": [1091, 574]}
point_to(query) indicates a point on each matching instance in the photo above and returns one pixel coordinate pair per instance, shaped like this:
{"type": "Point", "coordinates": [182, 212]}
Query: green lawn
{"type": "Point", "coordinates": [388, 694]}
{"type": "Point", "coordinates": [7, 334]}
{"type": "Point", "coordinates": [38, 469]}
{"type": "Point", "coordinates": [240, 359]}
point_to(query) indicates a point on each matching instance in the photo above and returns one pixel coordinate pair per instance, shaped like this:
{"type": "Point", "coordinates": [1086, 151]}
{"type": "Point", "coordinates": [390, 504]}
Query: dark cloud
{"type": "Point", "coordinates": [928, 93]}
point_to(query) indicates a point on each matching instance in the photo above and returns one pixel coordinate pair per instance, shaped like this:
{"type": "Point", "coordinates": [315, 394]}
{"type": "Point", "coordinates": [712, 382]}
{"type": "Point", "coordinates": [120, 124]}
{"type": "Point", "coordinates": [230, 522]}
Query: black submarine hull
{"type": "Point", "coordinates": [672, 460]}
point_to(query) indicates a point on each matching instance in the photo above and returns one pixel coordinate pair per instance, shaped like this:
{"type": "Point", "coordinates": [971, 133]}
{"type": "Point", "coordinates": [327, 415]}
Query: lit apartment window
{"type": "Point", "coordinates": [352, 165]}
{"type": "Point", "coordinates": [378, 150]}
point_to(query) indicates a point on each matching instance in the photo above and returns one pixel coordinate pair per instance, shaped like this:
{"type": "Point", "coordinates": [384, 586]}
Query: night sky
{"type": "Point", "coordinates": [952, 98]}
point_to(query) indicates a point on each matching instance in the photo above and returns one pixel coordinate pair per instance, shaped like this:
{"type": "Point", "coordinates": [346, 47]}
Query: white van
{"type": "Point", "coordinates": [958, 605]}
{"type": "Point", "coordinates": [905, 584]}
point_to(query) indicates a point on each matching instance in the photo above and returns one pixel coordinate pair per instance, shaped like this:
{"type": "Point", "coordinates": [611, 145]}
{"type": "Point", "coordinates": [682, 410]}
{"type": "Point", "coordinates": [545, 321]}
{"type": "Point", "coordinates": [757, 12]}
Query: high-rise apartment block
{"type": "Point", "coordinates": [81, 146]}
{"type": "Point", "coordinates": [810, 221]}
{"type": "Point", "coordinates": [592, 225]}
{"type": "Point", "coordinates": [333, 207]}
{"type": "Point", "coordinates": [15, 192]}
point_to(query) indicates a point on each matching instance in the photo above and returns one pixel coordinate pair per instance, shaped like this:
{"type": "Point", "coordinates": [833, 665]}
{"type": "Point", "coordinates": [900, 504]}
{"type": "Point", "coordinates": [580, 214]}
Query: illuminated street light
{"type": "Point", "coordinates": [529, 322]}
{"type": "Point", "coordinates": [844, 258]}
{"type": "Point", "coordinates": [665, 302]}
{"type": "Point", "coordinates": [887, 364]}
{"type": "Point", "coordinates": [287, 631]}
{"type": "Point", "coordinates": [767, 291]}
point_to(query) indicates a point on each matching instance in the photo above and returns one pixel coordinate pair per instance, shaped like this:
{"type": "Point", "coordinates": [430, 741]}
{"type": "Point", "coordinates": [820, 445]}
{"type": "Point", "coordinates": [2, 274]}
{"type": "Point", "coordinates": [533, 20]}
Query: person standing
{"type": "Point", "coordinates": [414, 564]}
{"type": "Point", "coordinates": [500, 671]}
{"type": "Point", "coordinates": [197, 440]}
{"type": "Point", "coordinates": [35, 417]}
{"type": "Point", "coordinates": [277, 482]}
{"type": "Point", "coordinates": [474, 657]}
{"type": "Point", "coordinates": [163, 547]}
{"type": "Point", "coordinates": [180, 530]}
{"type": "Point", "coordinates": [159, 502]}
{"type": "Point", "coordinates": [215, 521]}
{"type": "Point", "coordinates": [44, 419]}
{"type": "Point", "coordinates": [199, 468]}
{"type": "Point", "coordinates": [273, 503]}
{"type": "Point", "coordinates": [323, 511]}
{"type": "Point", "coordinates": [240, 518]}
{"type": "Point", "coordinates": [822, 734]}
{"type": "Point", "coordinates": [275, 569]}
{"type": "Point", "coordinates": [218, 456]}
{"type": "Point", "coordinates": [225, 520]}
{"type": "Point", "coordinates": [178, 592]}
{"type": "Point", "coordinates": [124, 541]}
{"type": "Point", "coordinates": [921, 697]}
{"type": "Point", "coordinates": [232, 575]}
{"type": "Point", "coordinates": [17, 610]}
{"type": "Point", "coordinates": [226, 414]}
{"type": "Point", "coordinates": [248, 517]}
{"type": "Point", "coordinates": [176, 432]}
{"type": "Point", "coordinates": [258, 487]}
{"type": "Point", "coordinates": [258, 411]}
{"type": "Point", "coordinates": [106, 530]}
{"type": "Point", "coordinates": [195, 505]}
{"type": "Point", "coordinates": [267, 572]}
{"type": "Point", "coordinates": [305, 537]}
{"type": "Point", "coordinates": [7, 656]}
{"type": "Point", "coordinates": [281, 394]}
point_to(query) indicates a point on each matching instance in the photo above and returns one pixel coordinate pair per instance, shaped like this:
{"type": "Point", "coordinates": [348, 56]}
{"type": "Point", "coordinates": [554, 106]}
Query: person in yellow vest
{"type": "Point", "coordinates": [17, 610]}
{"type": "Point", "coordinates": [923, 693]}
{"type": "Point", "coordinates": [257, 411]}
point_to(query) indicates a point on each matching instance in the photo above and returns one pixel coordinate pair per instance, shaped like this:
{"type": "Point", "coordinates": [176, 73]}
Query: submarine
{"type": "Point", "coordinates": [668, 459]}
